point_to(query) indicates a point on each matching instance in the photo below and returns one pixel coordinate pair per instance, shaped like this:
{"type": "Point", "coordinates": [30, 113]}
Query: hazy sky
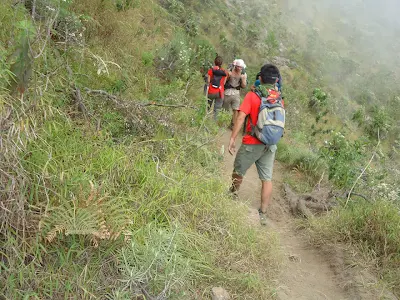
{"type": "Point", "coordinates": [367, 30]}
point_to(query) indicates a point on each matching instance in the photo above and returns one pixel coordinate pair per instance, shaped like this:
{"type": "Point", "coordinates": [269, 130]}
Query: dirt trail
{"type": "Point", "coordinates": [306, 273]}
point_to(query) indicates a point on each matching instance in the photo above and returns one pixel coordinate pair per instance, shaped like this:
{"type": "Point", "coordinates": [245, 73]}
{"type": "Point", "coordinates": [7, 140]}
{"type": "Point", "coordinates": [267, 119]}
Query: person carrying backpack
{"type": "Point", "coordinates": [216, 81]}
{"type": "Point", "coordinates": [264, 128]}
{"type": "Point", "coordinates": [237, 79]}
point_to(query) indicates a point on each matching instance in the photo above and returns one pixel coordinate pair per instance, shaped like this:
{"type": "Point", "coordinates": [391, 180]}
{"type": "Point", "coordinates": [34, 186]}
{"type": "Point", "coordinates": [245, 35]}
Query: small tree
{"type": "Point", "coordinates": [380, 122]}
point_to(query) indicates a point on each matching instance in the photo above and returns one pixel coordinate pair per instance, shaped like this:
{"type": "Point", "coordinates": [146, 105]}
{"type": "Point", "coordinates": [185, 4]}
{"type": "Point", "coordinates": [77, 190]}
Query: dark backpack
{"type": "Point", "coordinates": [271, 118]}
{"type": "Point", "coordinates": [216, 77]}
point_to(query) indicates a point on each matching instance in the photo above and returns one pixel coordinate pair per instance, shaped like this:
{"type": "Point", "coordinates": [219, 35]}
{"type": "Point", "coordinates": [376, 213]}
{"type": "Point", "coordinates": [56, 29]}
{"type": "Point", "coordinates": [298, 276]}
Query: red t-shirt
{"type": "Point", "coordinates": [250, 106]}
{"type": "Point", "coordinates": [213, 90]}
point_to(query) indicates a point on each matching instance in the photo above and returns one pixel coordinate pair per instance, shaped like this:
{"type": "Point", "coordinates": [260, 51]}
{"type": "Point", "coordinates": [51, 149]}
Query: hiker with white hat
{"type": "Point", "coordinates": [237, 79]}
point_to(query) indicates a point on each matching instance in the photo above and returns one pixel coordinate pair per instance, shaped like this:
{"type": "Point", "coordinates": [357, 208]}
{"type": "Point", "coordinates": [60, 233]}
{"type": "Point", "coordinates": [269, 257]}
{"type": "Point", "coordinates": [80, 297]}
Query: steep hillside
{"type": "Point", "coordinates": [110, 184]}
{"type": "Point", "coordinates": [110, 177]}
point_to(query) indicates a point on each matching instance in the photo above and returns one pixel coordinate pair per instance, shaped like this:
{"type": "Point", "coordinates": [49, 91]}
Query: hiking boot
{"type": "Point", "coordinates": [234, 194]}
{"type": "Point", "coordinates": [263, 217]}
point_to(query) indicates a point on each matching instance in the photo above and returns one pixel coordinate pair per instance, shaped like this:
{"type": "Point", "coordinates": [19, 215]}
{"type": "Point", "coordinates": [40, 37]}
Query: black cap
{"type": "Point", "coordinates": [269, 74]}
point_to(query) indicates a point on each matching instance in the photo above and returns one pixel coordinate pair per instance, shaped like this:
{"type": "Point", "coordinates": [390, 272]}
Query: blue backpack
{"type": "Point", "coordinates": [271, 118]}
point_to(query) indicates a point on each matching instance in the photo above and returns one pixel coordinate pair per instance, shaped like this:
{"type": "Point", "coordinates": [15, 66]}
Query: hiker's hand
{"type": "Point", "coordinates": [232, 146]}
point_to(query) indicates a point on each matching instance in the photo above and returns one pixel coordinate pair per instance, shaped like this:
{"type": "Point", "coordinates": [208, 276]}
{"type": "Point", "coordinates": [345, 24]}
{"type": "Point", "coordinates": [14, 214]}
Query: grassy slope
{"type": "Point", "coordinates": [134, 205]}
{"type": "Point", "coordinates": [149, 177]}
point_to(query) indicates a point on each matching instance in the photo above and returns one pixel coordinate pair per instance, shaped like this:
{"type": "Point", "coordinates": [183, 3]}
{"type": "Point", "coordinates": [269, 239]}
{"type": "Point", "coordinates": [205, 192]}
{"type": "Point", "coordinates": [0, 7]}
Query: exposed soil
{"type": "Point", "coordinates": [308, 272]}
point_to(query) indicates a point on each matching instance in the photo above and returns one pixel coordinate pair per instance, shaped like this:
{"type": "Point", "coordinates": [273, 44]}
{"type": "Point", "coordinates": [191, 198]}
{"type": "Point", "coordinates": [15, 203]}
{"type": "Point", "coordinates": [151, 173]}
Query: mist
{"type": "Point", "coordinates": [348, 42]}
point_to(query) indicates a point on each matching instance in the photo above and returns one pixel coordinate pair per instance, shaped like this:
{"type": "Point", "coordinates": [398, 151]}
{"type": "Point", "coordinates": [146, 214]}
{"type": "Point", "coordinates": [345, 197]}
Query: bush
{"type": "Point", "coordinates": [204, 54]}
{"type": "Point", "coordinates": [173, 60]}
{"type": "Point", "coordinates": [147, 58]}
{"type": "Point", "coordinates": [122, 5]}
{"type": "Point", "coordinates": [380, 123]}
{"type": "Point", "coordinates": [319, 99]}
{"type": "Point", "coordinates": [343, 158]}
{"type": "Point", "coordinates": [191, 23]}
{"type": "Point", "coordinates": [359, 116]}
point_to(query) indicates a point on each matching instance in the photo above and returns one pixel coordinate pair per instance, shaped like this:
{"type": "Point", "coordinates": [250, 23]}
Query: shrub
{"type": "Point", "coordinates": [122, 5]}
{"type": "Point", "coordinates": [204, 54]}
{"type": "Point", "coordinates": [359, 116]}
{"type": "Point", "coordinates": [147, 58]}
{"type": "Point", "coordinates": [173, 60]}
{"type": "Point", "coordinates": [380, 122]}
{"type": "Point", "coordinates": [191, 23]}
{"type": "Point", "coordinates": [319, 99]}
{"type": "Point", "coordinates": [343, 158]}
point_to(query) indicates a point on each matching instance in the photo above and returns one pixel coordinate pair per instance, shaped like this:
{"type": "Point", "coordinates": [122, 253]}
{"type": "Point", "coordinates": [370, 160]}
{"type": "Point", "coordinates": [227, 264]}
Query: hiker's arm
{"type": "Point", "coordinates": [238, 125]}
{"type": "Point", "coordinates": [208, 82]}
{"type": "Point", "coordinates": [244, 80]}
{"type": "Point", "coordinates": [226, 77]}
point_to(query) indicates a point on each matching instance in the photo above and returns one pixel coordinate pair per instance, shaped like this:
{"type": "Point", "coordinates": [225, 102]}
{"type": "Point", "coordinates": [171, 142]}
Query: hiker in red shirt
{"type": "Point", "coordinates": [252, 149]}
{"type": "Point", "coordinates": [216, 81]}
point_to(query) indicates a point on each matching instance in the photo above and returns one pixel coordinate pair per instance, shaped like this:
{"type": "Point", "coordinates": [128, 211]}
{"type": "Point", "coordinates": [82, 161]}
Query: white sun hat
{"type": "Point", "coordinates": [240, 63]}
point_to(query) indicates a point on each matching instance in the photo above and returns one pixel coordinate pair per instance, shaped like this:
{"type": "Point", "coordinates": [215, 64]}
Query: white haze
{"type": "Point", "coordinates": [359, 36]}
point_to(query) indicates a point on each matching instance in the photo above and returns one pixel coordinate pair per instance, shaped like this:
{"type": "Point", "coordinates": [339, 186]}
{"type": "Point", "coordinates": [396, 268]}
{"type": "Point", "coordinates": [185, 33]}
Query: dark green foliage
{"type": "Point", "coordinates": [359, 116]}
{"type": "Point", "coordinates": [272, 43]}
{"type": "Point", "coordinates": [147, 58]}
{"type": "Point", "coordinates": [319, 100]}
{"type": "Point", "coordinates": [21, 60]}
{"type": "Point", "coordinates": [204, 54]}
{"type": "Point", "coordinates": [173, 59]}
{"type": "Point", "coordinates": [344, 159]}
{"type": "Point", "coordinates": [122, 5]}
{"type": "Point", "coordinates": [380, 122]}
{"type": "Point", "coordinates": [191, 24]}
{"type": "Point", "coordinates": [115, 124]}
{"type": "Point", "coordinates": [184, 15]}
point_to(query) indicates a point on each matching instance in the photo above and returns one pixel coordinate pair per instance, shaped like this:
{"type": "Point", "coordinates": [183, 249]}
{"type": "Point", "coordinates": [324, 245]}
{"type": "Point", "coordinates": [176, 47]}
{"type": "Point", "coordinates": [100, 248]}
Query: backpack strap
{"type": "Point", "coordinates": [219, 72]}
{"type": "Point", "coordinates": [253, 126]}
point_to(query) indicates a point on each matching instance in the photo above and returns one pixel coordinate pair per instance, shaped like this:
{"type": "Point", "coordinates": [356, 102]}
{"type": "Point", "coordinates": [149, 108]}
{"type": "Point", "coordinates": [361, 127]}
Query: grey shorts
{"type": "Point", "coordinates": [216, 100]}
{"type": "Point", "coordinates": [263, 156]}
{"type": "Point", "coordinates": [231, 102]}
